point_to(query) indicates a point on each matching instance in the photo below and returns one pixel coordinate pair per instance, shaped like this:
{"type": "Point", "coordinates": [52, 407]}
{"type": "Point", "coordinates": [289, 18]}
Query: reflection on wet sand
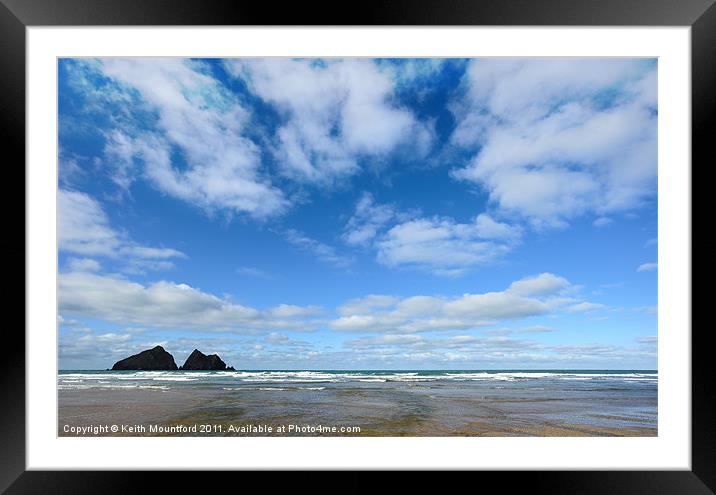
{"type": "Point", "coordinates": [438, 408]}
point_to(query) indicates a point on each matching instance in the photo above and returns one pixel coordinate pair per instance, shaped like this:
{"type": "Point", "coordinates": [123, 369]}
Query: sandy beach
{"type": "Point", "coordinates": [216, 404]}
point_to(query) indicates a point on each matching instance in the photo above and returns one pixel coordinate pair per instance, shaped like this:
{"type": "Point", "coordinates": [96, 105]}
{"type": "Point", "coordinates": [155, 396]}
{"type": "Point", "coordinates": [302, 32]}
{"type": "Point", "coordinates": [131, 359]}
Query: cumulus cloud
{"type": "Point", "coordinates": [166, 304]}
{"type": "Point", "coordinates": [173, 123]}
{"type": "Point", "coordinates": [293, 311]}
{"type": "Point", "coordinates": [602, 222]}
{"type": "Point", "coordinates": [437, 244]}
{"type": "Point", "coordinates": [443, 246]}
{"type": "Point", "coordinates": [584, 307]}
{"type": "Point", "coordinates": [647, 267]}
{"type": "Point", "coordinates": [488, 228]}
{"type": "Point", "coordinates": [559, 138]}
{"type": "Point", "coordinates": [525, 298]}
{"type": "Point", "coordinates": [334, 112]}
{"type": "Point", "coordinates": [83, 265]}
{"type": "Point", "coordinates": [84, 229]}
{"type": "Point", "coordinates": [220, 168]}
{"type": "Point", "coordinates": [366, 304]}
{"type": "Point", "coordinates": [540, 285]}
{"type": "Point", "coordinates": [83, 225]}
{"type": "Point", "coordinates": [399, 329]}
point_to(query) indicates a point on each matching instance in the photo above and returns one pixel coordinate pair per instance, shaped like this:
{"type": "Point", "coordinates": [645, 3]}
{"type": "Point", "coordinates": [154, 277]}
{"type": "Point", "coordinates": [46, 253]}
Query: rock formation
{"type": "Point", "coordinates": [149, 360]}
{"type": "Point", "coordinates": [200, 361]}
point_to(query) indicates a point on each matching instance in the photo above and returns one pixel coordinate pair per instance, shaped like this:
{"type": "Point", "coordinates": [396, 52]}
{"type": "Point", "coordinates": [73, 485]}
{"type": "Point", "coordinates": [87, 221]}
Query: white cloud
{"type": "Point", "coordinates": [508, 331]}
{"type": "Point", "coordinates": [489, 228]}
{"type": "Point", "coordinates": [101, 350]}
{"type": "Point", "coordinates": [205, 122]}
{"type": "Point", "coordinates": [366, 304]}
{"type": "Point", "coordinates": [277, 338]}
{"type": "Point", "coordinates": [83, 225]}
{"type": "Point", "coordinates": [408, 72]}
{"type": "Point", "coordinates": [399, 322]}
{"type": "Point", "coordinates": [334, 111]}
{"type": "Point", "coordinates": [496, 306]}
{"type": "Point", "coordinates": [552, 140]}
{"type": "Point", "coordinates": [541, 285]}
{"type": "Point", "coordinates": [139, 266]}
{"type": "Point", "coordinates": [367, 220]}
{"type": "Point", "coordinates": [166, 304]}
{"type": "Point", "coordinates": [83, 265]}
{"type": "Point", "coordinates": [69, 169]}
{"type": "Point", "coordinates": [106, 338]}
{"type": "Point", "coordinates": [647, 267]}
{"type": "Point", "coordinates": [82, 348]}
{"type": "Point", "coordinates": [145, 252]}
{"type": "Point", "coordinates": [170, 305]}
{"type": "Point", "coordinates": [535, 329]}
{"type": "Point", "coordinates": [293, 311]}
{"type": "Point", "coordinates": [603, 222]}
{"type": "Point", "coordinates": [388, 314]}
{"type": "Point", "coordinates": [650, 310]}
{"type": "Point", "coordinates": [97, 94]}
{"type": "Point", "coordinates": [439, 245]}
{"type": "Point", "coordinates": [443, 246]}
{"type": "Point", "coordinates": [282, 340]}
{"type": "Point", "coordinates": [493, 351]}
{"type": "Point", "coordinates": [84, 229]}
{"type": "Point", "coordinates": [321, 251]}
{"type": "Point", "coordinates": [584, 307]}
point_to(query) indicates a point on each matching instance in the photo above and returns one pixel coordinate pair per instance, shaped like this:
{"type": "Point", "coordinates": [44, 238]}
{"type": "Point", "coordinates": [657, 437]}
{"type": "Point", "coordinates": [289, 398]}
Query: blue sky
{"type": "Point", "coordinates": [359, 213]}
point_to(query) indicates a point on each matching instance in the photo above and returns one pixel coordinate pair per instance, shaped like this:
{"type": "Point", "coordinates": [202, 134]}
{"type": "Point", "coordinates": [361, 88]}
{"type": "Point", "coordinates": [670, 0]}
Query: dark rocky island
{"type": "Point", "coordinates": [156, 359]}
{"type": "Point", "coordinates": [197, 360]}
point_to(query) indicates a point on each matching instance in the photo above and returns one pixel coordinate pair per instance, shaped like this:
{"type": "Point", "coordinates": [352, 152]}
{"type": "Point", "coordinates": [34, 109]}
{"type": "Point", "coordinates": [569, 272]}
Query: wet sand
{"type": "Point", "coordinates": [395, 409]}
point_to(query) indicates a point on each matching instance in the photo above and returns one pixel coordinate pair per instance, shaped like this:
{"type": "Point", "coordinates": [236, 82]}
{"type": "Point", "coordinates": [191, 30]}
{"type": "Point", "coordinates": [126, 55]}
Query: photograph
{"type": "Point", "coordinates": [409, 237]}
{"type": "Point", "coordinates": [357, 247]}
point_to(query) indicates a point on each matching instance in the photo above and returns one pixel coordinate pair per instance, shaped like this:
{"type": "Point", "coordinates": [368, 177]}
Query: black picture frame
{"type": "Point", "coordinates": [16, 15]}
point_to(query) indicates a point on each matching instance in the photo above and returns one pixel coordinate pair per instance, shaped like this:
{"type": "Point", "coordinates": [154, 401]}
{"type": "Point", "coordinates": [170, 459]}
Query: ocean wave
{"type": "Point", "coordinates": [512, 376]}
{"type": "Point", "coordinates": [147, 379]}
{"type": "Point", "coordinates": [63, 386]}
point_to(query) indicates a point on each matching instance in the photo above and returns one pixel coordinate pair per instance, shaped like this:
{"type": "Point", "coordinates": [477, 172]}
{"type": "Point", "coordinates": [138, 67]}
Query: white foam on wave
{"type": "Point", "coordinates": [513, 376]}
{"type": "Point", "coordinates": [111, 386]}
{"type": "Point", "coordinates": [177, 378]}
{"type": "Point", "coordinates": [151, 378]}
{"type": "Point", "coordinates": [268, 389]}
